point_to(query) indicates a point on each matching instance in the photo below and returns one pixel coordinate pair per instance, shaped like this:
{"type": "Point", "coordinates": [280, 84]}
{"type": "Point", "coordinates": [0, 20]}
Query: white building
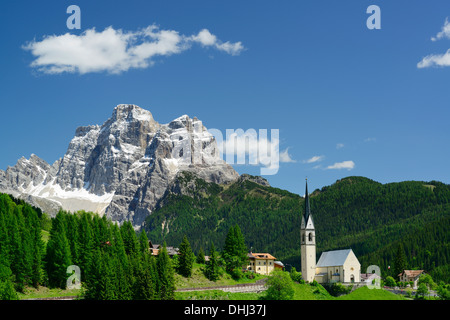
{"type": "Point", "coordinates": [338, 266]}
{"type": "Point", "coordinates": [333, 266]}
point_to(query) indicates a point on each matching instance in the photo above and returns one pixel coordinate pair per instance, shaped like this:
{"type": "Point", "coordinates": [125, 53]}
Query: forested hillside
{"type": "Point", "coordinates": [114, 262]}
{"type": "Point", "coordinates": [379, 222]}
{"type": "Point", "coordinates": [21, 246]}
{"type": "Point", "coordinates": [355, 212]}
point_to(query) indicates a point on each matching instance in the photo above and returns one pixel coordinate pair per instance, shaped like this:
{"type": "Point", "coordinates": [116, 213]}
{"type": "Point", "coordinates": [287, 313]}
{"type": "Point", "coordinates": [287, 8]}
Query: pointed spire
{"type": "Point", "coordinates": [307, 217]}
{"type": "Point", "coordinates": [307, 205]}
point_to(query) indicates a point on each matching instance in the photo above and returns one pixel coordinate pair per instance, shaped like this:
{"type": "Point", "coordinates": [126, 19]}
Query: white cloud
{"type": "Point", "coordinates": [439, 60]}
{"type": "Point", "coordinates": [206, 39]}
{"type": "Point", "coordinates": [285, 156]}
{"type": "Point", "coordinates": [314, 159]}
{"type": "Point", "coordinates": [339, 146]}
{"type": "Point", "coordinates": [116, 51]}
{"type": "Point", "coordinates": [444, 33]}
{"type": "Point", "coordinates": [349, 165]}
{"type": "Point", "coordinates": [370, 139]}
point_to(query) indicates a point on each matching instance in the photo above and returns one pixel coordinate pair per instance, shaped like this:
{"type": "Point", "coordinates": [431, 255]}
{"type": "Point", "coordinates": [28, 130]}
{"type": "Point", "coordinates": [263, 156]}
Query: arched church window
{"type": "Point", "coordinates": [310, 236]}
{"type": "Point", "coordinates": [303, 238]}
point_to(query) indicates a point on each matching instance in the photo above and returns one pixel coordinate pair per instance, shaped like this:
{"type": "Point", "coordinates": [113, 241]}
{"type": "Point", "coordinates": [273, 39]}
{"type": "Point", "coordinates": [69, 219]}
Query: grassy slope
{"type": "Point", "coordinates": [365, 293]}
{"type": "Point", "coordinates": [44, 292]}
{"type": "Point", "coordinates": [198, 280]}
{"type": "Point", "coordinates": [301, 291]}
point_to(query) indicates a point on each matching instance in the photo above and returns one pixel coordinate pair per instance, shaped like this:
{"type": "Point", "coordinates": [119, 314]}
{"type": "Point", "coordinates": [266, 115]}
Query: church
{"type": "Point", "coordinates": [333, 266]}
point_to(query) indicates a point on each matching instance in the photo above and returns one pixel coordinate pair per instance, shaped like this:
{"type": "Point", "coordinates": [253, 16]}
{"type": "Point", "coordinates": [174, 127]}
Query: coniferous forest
{"type": "Point", "coordinates": [115, 263]}
{"type": "Point", "coordinates": [371, 218]}
{"type": "Point", "coordinates": [382, 223]}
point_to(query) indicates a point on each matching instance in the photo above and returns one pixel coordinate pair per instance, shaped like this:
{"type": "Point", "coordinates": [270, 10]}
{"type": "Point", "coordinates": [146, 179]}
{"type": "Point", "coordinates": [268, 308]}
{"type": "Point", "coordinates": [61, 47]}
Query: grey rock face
{"type": "Point", "coordinates": [121, 168]}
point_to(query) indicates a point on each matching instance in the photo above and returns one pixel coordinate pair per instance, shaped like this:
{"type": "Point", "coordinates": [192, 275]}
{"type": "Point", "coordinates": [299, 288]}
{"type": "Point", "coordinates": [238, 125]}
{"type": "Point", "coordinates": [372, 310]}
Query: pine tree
{"type": "Point", "coordinates": [212, 266]}
{"type": "Point", "coordinates": [185, 259]}
{"type": "Point", "coordinates": [235, 251]}
{"type": "Point", "coordinates": [144, 287]}
{"type": "Point", "coordinates": [7, 291]}
{"type": "Point", "coordinates": [86, 243]}
{"type": "Point", "coordinates": [119, 247]}
{"type": "Point", "coordinates": [143, 242]}
{"type": "Point", "coordinates": [17, 262]}
{"type": "Point", "coordinates": [58, 253]}
{"type": "Point", "coordinates": [201, 256]}
{"type": "Point", "coordinates": [73, 237]}
{"type": "Point", "coordinates": [400, 261]}
{"type": "Point", "coordinates": [165, 275]}
{"type": "Point", "coordinates": [129, 238]}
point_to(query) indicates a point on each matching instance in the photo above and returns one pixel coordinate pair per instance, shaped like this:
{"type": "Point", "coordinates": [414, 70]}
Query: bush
{"type": "Point", "coordinates": [279, 286]}
{"type": "Point", "coordinates": [390, 282]}
{"type": "Point", "coordinates": [337, 289]}
{"type": "Point", "coordinates": [295, 275]}
{"type": "Point", "coordinates": [422, 291]}
{"type": "Point", "coordinates": [443, 291]}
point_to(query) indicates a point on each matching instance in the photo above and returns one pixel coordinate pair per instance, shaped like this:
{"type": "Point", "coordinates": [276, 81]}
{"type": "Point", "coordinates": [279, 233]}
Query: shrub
{"type": "Point", "coordinates": [295, 275]}
{"type": "Point", "coordinates": [390, 282]}
{"type": "Point", "coordinates": [279, 286]}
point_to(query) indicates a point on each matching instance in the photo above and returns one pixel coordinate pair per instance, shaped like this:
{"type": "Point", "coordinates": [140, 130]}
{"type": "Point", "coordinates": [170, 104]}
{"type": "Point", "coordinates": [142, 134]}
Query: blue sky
{"type": "Point", "coordinates": [338, 92]}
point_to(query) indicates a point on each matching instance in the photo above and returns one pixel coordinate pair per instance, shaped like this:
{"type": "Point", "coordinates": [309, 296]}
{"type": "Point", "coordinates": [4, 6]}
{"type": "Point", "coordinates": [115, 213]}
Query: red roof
{"type": "Point", "coordinates": [266, 256]}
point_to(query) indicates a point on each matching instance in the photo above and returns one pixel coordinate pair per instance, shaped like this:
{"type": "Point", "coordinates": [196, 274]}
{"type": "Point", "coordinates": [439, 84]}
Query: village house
{"type": "Point", "coordinates": [262, 263]}
{"type": "Point", "coordinates": [370, 278]}
{"type": "Point", "coordinates": [411, 275]}
{"type": "Point", "coordinates": [154, 249]}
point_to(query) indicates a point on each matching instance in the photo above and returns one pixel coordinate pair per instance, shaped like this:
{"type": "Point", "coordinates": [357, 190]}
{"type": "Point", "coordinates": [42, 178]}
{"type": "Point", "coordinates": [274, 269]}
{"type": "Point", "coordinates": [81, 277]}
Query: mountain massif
{"type": "Point", "coordinates": [121, 168]}
{"type": "Point", "coordinates": [169, 180]}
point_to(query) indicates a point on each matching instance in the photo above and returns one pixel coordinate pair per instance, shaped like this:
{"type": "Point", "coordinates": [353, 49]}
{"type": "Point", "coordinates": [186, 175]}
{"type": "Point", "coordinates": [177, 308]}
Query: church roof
{"type": "Point", "coordinates": [333, 258]}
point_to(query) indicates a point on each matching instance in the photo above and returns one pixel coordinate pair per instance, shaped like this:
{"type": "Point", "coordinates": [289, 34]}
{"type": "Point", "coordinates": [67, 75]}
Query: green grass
{"type": "Point", "coordinates": [44, 292]}
{"type": "Point", "coordinates": [364, 293]}
{"type": "Point", "coordinates": [198, 280]}
{"type": "Point", "coordinates": [217, 295]}
{"type": "Point", "coordinates": [308, 292]}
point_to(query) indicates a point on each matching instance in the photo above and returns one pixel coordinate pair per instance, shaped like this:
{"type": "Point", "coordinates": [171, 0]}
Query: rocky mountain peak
{"type": "Point", "coordinates": [121, 168]}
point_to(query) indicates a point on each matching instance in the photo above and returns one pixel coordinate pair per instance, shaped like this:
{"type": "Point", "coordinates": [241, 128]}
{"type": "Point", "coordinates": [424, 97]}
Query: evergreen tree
{"type": "Point", "coordinates": [201, 256]}
{"type": "Point", "coordinates": [72, 237]}
{"type": "Point", "coordinates": [185, 259]}
{"type": "Point", "coordinates": [36, 245]}
{"type": "Point", "coordinates": [143, 242]}
{"type": "Point", "coordinates": [7, 291]}
{"type": "Point", "coordinates": [212, 268]}
{"type": "Point", "coordinates": [58, 253]}
{"type": "Point", "coordinates": [119, 247]}
{"type": "Point", "coordinates": [400, 261]}
{"type": "Point", "coordinates": [143, 286]}
{"type": "Point", "coordinates": [86, 242]}
{"type": "Point", "coordinates": [235, 251]}
{"type": "Point", "coordinates": [129, 238]}
{"type": "Point", "coordinates": [17, 262]}
{"type": "Point", "coordinates": [165, 275]}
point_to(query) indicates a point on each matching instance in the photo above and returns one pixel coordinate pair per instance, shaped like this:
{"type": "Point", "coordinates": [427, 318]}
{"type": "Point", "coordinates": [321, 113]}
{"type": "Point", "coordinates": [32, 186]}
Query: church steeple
{"type": "Point", "coordinates": [307, 217]}
{"type": "Point", "coordinates": [307, 212]}
{"type": "Point", "coordinates": [308, 242]}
